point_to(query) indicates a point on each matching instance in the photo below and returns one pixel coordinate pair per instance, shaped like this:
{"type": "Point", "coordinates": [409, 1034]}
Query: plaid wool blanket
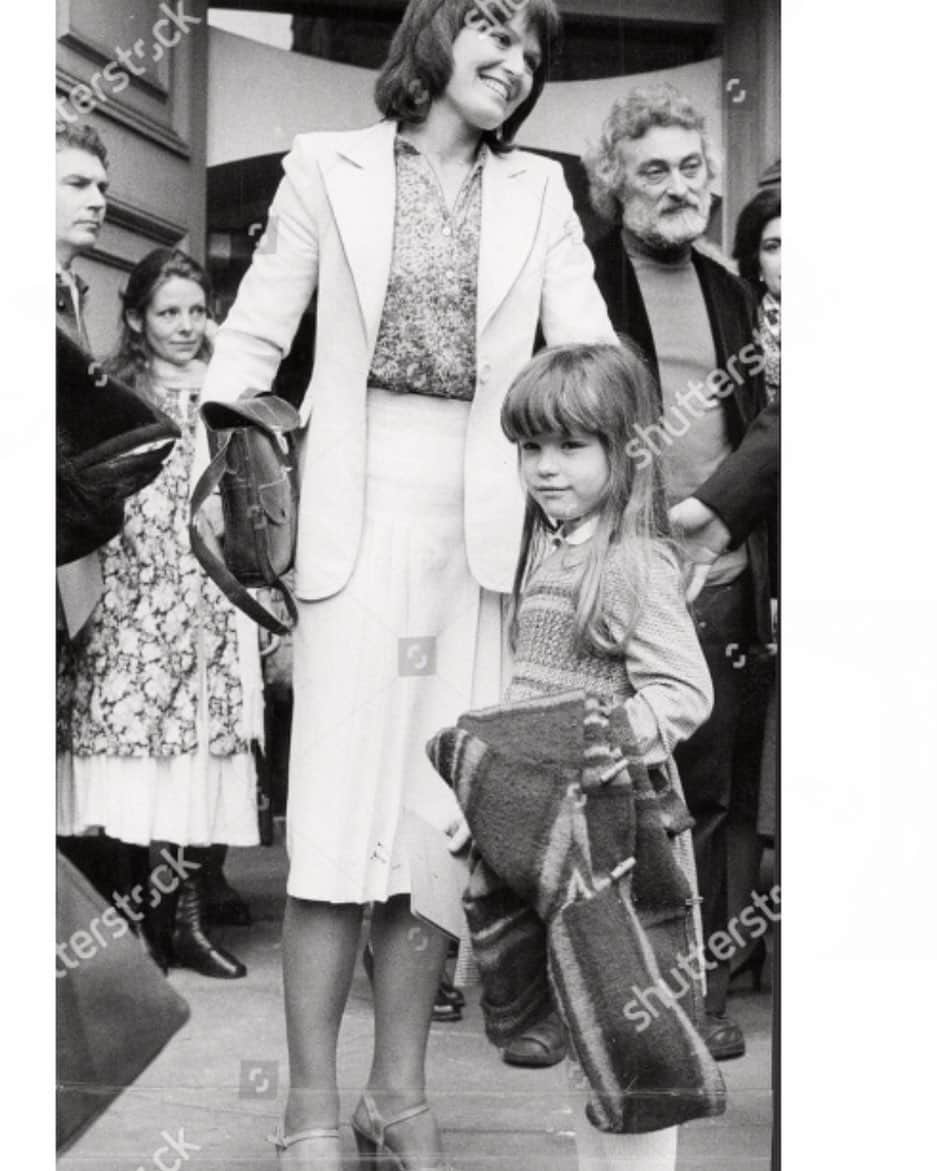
{"type": "Point", "coordinates": [574, 883]}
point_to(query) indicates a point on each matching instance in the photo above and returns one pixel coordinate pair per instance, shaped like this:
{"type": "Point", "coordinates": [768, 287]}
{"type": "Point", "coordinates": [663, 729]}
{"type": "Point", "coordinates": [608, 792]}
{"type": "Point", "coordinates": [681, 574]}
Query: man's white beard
{"type": "Point", "coordinates": [666, 230]}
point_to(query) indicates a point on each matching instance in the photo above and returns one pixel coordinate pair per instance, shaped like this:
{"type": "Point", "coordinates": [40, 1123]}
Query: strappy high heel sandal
{"type": "Point", "coordinates": [374, 1150]}
{"type": "Point", "coordinates": [324, 1152]}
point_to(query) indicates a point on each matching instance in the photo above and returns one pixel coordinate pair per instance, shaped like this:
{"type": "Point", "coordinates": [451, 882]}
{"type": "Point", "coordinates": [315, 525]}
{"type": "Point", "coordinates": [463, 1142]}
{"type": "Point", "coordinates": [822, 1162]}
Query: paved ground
{"type": "Point", "coordinates": [221, 1079]}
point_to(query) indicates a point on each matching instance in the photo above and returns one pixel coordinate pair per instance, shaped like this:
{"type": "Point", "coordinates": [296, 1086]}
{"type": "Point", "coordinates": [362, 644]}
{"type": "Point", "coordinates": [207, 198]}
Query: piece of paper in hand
{"type": "Point", "coordinates": [437, 878]}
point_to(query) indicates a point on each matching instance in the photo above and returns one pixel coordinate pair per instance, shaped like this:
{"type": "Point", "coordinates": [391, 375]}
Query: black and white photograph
{"type": "Point", "coordinates": [417, 639]}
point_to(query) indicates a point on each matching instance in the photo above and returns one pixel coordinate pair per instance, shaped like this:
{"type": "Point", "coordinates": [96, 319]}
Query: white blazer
{"type": "Point", "coordinates": [331, 226]}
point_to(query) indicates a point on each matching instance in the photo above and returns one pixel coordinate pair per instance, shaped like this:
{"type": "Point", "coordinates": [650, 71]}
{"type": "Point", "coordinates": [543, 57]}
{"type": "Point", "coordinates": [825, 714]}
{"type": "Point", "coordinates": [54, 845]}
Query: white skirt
{"type": "Point", "coordinates": [410, 643]}
{"type": "Point", "coordinates": [193, 799]}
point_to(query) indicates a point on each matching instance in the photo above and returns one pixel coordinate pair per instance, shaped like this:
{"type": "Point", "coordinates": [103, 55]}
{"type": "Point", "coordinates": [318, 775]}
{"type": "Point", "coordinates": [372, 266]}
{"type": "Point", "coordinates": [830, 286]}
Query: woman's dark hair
{"type": "Point", "coordinates": [419, 62]}
{"type": "Point", "coordinates": [759, 210]}
{"type": "Point", "coordinates": [132, 355]}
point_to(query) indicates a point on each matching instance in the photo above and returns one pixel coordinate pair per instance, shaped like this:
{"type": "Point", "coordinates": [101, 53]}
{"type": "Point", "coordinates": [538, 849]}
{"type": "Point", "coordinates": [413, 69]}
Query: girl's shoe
{"type": "Point", "coordinates": [539, 1046]}
{"type": "Point", "coordinates": [318, 1148]}
{"type": "Point", "coordinates": [722, 1037]}
{"type": "Point", "coordinates": [378, 1149]}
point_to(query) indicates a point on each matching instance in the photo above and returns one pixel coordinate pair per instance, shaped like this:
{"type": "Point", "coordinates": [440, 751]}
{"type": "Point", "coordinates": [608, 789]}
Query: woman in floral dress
{"type": "Point", "coordinates": [167, 697]}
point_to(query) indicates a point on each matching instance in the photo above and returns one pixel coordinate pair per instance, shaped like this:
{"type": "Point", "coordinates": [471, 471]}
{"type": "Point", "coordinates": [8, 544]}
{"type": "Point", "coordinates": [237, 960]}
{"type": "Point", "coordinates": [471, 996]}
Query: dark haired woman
{"type": "Point", "coordinates": [167, 697]}
{"type": "Point", "coordinates": [436, 249]}
{"type": "Point", "coordinates": [758, 253]}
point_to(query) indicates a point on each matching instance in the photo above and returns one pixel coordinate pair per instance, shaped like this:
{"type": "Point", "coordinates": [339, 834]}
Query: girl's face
{"type": "Point", "coordinates": [493, 68]}
{"type": "Point", "coordinates": [567, 475]}
{"type": "Point", "coordinates": [769, 256]}
{"type": "Point", "coordinates": [173, 324]}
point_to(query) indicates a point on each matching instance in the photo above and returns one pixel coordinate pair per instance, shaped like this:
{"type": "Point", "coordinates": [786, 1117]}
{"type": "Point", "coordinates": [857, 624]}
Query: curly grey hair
{"type": "Point", "coordinates": [630, 118]}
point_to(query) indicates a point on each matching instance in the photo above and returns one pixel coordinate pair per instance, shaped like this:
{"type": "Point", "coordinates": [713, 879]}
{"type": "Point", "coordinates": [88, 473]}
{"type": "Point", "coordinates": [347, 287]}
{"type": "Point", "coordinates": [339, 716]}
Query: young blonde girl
{"type": "Point", "coordinates": [598, 596]}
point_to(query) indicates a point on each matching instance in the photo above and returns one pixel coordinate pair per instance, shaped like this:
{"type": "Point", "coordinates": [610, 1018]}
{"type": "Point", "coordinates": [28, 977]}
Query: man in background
{"type": "Point", "coordinates": [651, 177]}
{"type": "Point", "coordinates": [80, 203]}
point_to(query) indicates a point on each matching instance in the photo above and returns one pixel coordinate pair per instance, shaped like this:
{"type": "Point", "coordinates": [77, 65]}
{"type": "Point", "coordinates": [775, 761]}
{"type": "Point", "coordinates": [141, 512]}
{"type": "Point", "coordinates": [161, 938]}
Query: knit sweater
{"type": "Point", "coordinates": [661, 676]}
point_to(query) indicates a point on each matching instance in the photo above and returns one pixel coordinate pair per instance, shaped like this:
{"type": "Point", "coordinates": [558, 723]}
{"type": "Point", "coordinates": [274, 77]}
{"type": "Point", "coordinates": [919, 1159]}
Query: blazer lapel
{"type": "Point", "coordinates": [362, 187]}
{"type": "Point", "coordinates": [511, 200]}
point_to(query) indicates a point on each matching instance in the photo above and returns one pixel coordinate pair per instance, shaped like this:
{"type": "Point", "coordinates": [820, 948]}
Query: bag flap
{"type": "Point", "coordinates": [269, 412]}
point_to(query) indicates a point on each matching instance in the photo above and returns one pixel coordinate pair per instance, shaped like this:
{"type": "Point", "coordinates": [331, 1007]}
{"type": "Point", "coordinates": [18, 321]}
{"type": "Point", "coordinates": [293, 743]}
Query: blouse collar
{"type": "Point", "coordinates": [405, 146]}
{"type": "Point", "coordinates": [575, 532]}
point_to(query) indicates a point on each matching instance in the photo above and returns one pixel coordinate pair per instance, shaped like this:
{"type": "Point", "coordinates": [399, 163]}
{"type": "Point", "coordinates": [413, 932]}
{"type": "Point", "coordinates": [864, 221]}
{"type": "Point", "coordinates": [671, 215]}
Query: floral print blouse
{"type": "Point", "coordinates": [161, 621]}
{"type": "Point", "coordinates": [426, 340]}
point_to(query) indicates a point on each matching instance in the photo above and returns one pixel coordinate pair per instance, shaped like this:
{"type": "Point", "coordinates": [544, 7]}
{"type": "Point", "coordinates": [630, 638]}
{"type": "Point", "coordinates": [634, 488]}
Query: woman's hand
{"type": "Point", "coordinates": [212, 513]}
{"type": "Point", "coordinates": [459, 834]}
{"type": "Point", "coordinates": [210, 524]}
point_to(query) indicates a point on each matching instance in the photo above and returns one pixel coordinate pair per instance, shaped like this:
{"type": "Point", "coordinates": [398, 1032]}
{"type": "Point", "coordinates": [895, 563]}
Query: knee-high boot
{"type": "Point", "coordinates": [191, 946]}
{"type": "Point", "coordinates": [225, 907]}
{"type": "Point", "coordinates": [162, 894]}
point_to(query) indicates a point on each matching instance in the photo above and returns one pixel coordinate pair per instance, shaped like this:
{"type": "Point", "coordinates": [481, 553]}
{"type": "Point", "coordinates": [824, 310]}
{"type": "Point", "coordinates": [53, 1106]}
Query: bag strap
{"type": "Point", "coordinates": [214, 565]}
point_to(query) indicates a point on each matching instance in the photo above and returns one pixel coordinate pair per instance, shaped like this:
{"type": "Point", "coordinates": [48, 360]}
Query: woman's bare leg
{"type": "Point", "coordinates": [320, 943]}
{"type": "Point", "coordinates": [408, 961]}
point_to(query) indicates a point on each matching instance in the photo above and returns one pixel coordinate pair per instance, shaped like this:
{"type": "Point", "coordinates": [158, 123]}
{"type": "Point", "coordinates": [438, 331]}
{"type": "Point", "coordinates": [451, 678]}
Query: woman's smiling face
{"type": "Point", "coordinates": [493, 70]}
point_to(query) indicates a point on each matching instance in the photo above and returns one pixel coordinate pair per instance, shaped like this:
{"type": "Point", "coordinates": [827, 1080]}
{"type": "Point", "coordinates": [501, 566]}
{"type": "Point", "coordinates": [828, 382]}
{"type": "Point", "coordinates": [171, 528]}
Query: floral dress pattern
{"type": "Point", "coordinates": [162, 625]}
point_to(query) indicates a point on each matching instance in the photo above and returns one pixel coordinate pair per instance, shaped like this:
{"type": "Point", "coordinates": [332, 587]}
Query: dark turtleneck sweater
{"type": "Point", "coordinates": [694, 439]}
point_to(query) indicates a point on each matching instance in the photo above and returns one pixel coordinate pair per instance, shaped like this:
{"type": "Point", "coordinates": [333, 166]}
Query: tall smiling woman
{"type": "Point", "coordinates": [436, 248]}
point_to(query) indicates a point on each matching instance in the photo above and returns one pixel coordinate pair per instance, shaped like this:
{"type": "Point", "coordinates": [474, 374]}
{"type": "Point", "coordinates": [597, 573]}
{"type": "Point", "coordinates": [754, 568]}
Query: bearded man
{"type": "Point", "coordinates": [651, 176]}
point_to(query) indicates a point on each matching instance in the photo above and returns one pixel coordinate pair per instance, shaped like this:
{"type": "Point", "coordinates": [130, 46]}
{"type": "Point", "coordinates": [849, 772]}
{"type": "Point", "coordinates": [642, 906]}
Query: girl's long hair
{"type": "Point", "coordinates": [131, 358]}
{"type": "Point", "coordinates": [607, 391]}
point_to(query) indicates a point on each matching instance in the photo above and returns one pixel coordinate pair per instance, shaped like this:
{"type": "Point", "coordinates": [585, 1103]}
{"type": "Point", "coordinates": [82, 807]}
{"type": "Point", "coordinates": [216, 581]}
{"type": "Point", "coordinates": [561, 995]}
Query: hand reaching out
{"type": "Point", "coordinates": [704, 537]}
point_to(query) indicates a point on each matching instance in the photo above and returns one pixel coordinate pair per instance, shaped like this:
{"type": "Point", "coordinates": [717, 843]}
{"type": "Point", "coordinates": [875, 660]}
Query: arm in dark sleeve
{"type": "Point", "coordinates": [743, 490]}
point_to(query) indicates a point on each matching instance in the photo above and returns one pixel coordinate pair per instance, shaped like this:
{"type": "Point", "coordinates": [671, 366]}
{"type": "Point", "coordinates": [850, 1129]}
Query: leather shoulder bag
{"type": "Point", "coordinates": [253, 447]}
